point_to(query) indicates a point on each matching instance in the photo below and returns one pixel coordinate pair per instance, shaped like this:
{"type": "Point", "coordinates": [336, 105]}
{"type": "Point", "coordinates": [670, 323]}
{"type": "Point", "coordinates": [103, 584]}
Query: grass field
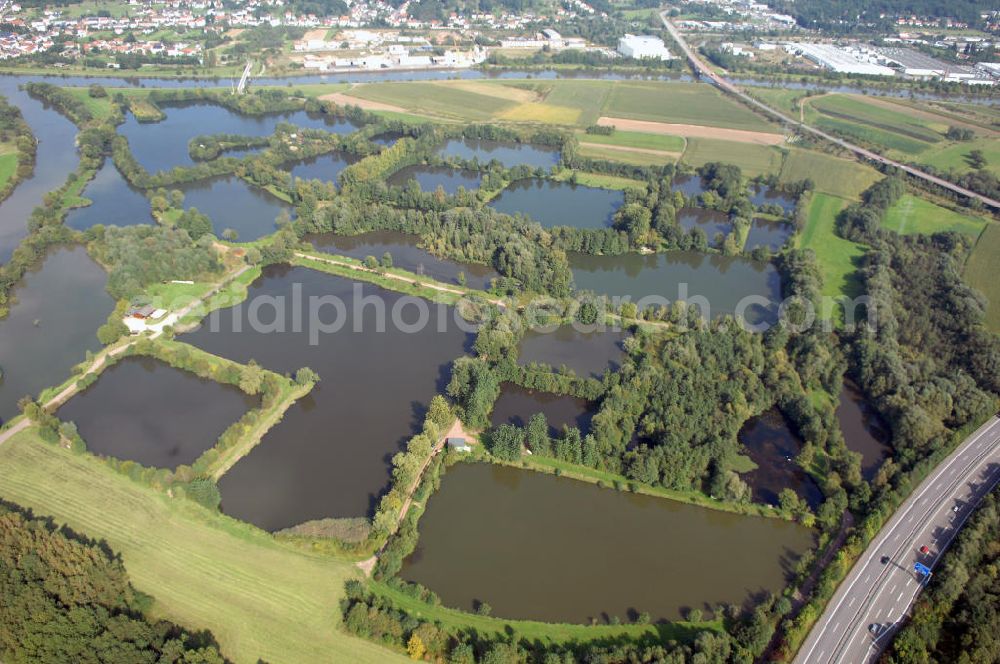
{"type": "Point", "coordinates": [885, 115]}
{"type": "Point", "coordinates": [626, 156]}
{"type": "Point", "coordinates": [8, 163]}
{"type": "Point", "coordinates": [911, 215]}
{"type": "Point", "coordinates": [837, 257]}
{"type": "Point", "coordinates": [684, 103]}
{"type": "Point", "coordinates": [981, 273]}
{"type": "Point", "coordinates": [832, 175]}
{"type": "Point", "coordinates": [261, 599]}
{"type": "Point", "coordinates": [752, 159]}
{"type": "Point", "coordinates": [954, 157]}
{"type": "Point", "coordinates": [435, 98]}
{"type": "Point", "coordinates": [637, 139]}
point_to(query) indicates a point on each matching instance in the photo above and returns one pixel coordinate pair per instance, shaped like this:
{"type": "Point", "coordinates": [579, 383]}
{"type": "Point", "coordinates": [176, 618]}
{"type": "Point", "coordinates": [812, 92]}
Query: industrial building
{"type": "Point", "coordinates": [643, 46]}
{"type": "Point", "coordinates": [840, 59]}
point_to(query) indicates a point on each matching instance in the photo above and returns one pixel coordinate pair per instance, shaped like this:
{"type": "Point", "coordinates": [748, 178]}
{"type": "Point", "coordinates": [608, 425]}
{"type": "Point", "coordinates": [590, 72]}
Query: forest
{"type": "Point", "coordinates": [65, 598]}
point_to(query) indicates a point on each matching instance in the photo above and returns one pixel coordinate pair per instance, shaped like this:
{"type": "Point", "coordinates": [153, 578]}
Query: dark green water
{"type": "Point", "coordinates": [329, 456]}
{"type": "Point", "coordinates": [721, 280]}
{"type": "Point", "coordinates": [324, 167]}
{"type": "Point", "coordinates": [405, 254]}
{"type": "Point", "coordinates": [508, 154]}
{"type": "Point", "coordinates": [586, 353]}
{"type": "Point", "coordinates": [552, 203]}
{"type": "Point", "coordinates": [773, 447]}
{"type": "Point", "coordinates": [770, 234]}
{"type": "Point", "coordinates": [114, 202]}
{"type": "Point", "coordinates": [546, 548]}
{"type": "Point", "coordinates": [232, 203]}
{"type": "Point", "coordinates": [431, 177]}
{"type": "Point", "coordinates": [864, 430]}
{"type": "Point", "coordinates": [143, 410]}
{"type": "Point", "coordinates": [517, 404]}
{"type": "Point", "coordinates": [54, 315]}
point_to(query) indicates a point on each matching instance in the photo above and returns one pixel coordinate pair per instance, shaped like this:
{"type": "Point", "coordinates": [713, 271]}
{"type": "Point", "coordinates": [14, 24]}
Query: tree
{"type": "Point", "coordinates": [977, 159]}
{"type": "Point", "coordinates": [230, 235]}
{"type": "Point", "coordinates": [371, 263]}
{"type": "Point", "coordinates": [251, 378]}
{"type": "Point", "coordinates": [538, 435]}
{"type": "Point", "coordinates": [387, 260]}
{"type": "Point", "coordinates": [305, 375]}
{"type": "Point", "coordinates": [415, 647]}
{"type": "Point", "coordinates": [505, 442]}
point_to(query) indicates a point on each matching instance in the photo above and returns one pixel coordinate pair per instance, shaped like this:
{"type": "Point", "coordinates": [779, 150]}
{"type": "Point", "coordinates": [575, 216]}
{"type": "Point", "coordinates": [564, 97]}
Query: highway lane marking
{"type": "Point", "coordinates": [900, 596]}
{"type": "Point", "coordinates": [889, 535]}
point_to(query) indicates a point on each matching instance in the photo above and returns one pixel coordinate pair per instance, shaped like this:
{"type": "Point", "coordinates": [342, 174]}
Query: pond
{"type": "Point", "coordinates": [761, 194]}
{"type": "Point", "coordinates": [54, 315]}
{"type": "Point", "coordinates": [115, 418]}
{"type": "Point", "coordinates": [712, 222]}
{"type": "Point", "coordinates": [330, 454]}
{"type": "Point", "coordinates": [864, 430]}
{"type": "Point", "coordinates": [723, 281]}
{"type": "Point", "coordinates": [588, 354]}
{"type": "Point", "coordinates": [324, 167]}
{"type": "Point", "coordinates": [405, 254]}
{"type": "Point", "coordinates": [689, 185]}
{"type": "Point", "coordinates": [540, 547]}
{"type": "Point", "coordinates": [55, 159]}
{"type": "Point", "coordinates": [517, 404]}
{"type": "Point", "coordinates": [114, 202]}
{"type": "Point", "coordinates": [431, 177]}
{"type": "Point", "coordinates": [507, 153]}
{"type": "Point", "coordinates": [773, 446]}
{"type": "Point", "coordinates": [233, 203]}
{"type": "Point", "coordinates": [769, 233]}
{"type": "Point", "coordinates": [160, 146]}
{"type": "Point", "coordinates": [553, 203]}
{"type": "Point", "coordinates": [386, 138]}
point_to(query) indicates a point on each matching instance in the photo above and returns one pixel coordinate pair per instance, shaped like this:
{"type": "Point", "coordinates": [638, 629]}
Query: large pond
{"type": "Point", "coordinates": [553, 203]}
{"type": "Point", "coordinates": [508, 154]}
{"type": "Point", "coordinates": [116, 416]}
{"type": "Point", "coordinates": [405, 254]}
{"type": "Point", "coordinates": [163, 145]}
{"type": "Point", "coordinates": [329, 456]}
{"type": "Point", "coordinates": [587, 353]}
{"type": "Point", "coordinates": [725, 283]}
{"type": "Point", "coordinates": [114, 202]}
{"type": "Point", "coordinates": [517, 404]}
{"type": "Point", "coordinates": [864, 430]}
{"type": "Point", "coordinates": [541, 547]}
{"type": "Point", "coordinates": [712, 222]}
{"type": "Point", "coordinates": [773, 447]}
{"type": "Point", "coordinates": [431, 177]}
{"type": "Point", "coordinates": [232, 203]}
{"type": "Point", "coordinates": [54, 315]}
{"type": "Point", "coordinates": [324, 167]}
{"type": "Point", "coordinates": [769, 233]}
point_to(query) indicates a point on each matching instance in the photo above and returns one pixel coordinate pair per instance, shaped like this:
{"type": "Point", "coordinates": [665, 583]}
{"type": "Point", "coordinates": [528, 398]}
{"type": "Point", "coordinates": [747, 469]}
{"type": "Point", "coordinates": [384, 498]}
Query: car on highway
{"type": "Point", "coordinates": [876, 629]}
{"type": "Point", "coordinates": [925, 550]}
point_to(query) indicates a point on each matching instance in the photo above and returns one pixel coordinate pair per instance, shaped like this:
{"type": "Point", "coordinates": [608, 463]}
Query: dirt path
{"type": "Point", "coordinates": [396, 277]}
{"type": "Point", "coordinates": [112, 351]}
{"type": "Point", "coordinates": [694, 131]}
{"type": "Point", "coordinates": [455, 431]}
{"type": "Point", "coordinates": [342, 99]}
{"type": "Point", "coordinates": [627, 148]}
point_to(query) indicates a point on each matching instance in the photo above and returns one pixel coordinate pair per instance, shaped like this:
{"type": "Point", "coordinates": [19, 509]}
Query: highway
{"type": "Point", "coordinates": [707, 73]}
{"type": "Point", "coordinates": [882, 593]}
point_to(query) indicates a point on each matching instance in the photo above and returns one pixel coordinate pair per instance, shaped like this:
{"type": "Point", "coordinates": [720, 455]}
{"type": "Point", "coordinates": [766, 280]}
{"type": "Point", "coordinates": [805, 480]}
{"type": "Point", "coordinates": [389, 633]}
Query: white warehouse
{"type": "Point", "coordinates": [842, 60]}
{"type": "Point", "coordinates": [643, 46]}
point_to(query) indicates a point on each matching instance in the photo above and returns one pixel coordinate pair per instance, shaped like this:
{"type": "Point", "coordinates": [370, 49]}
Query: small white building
{"type": "Point", "coordinates": [643, 46]}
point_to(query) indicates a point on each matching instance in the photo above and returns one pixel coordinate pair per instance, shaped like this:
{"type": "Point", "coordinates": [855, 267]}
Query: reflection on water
{"type": "Point", "coordinates": [540, 547]}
